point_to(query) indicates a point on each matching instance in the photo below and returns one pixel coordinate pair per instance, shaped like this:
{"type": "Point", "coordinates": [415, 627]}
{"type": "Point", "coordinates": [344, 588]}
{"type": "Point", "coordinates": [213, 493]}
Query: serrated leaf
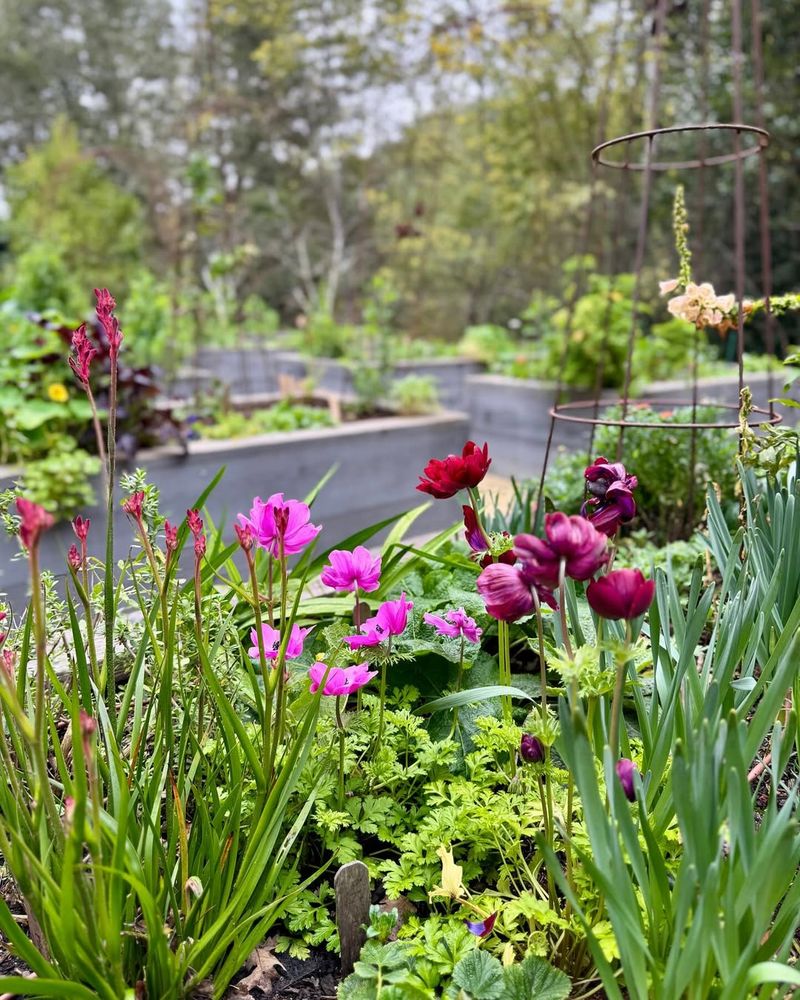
{"type": "Point", "coordinates": [481, 975]}
{"type": "Point", "coordinates": [535, 979]}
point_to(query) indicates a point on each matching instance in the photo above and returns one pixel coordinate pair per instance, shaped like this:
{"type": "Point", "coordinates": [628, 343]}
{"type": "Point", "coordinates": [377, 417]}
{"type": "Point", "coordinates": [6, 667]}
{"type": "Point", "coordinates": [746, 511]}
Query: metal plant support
{"type": "Point", "coordinates": [641, 153]}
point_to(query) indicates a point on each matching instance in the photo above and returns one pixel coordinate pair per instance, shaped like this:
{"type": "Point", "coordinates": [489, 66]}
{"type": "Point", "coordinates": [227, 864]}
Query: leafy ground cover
{"type": "Point", "coordinates": [566, 776]}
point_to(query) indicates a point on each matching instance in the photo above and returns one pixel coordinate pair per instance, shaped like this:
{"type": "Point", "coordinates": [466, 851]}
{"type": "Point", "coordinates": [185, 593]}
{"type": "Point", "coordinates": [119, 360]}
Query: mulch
{"type": "Point", "coordinates": [314, 978]}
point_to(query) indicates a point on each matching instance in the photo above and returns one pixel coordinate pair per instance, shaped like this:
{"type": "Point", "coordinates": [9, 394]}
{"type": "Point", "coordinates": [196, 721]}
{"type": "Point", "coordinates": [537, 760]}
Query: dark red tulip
{"type": "Point", "coordinates": [622, 593]}
{"type": "Point", "coordinates": [448, 476]}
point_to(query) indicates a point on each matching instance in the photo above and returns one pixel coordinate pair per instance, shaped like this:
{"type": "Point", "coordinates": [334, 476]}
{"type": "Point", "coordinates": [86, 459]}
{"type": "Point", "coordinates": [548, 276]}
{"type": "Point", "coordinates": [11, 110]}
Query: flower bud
{"type": "Point", "coordinates": [531, 749]}
{"type": "Point", "coordinates": [134, 505]}
{"type": "Point", "coordinates": [171, 536]}
{"type": "Point", "coordinates": [626, 769]}
{"type": "Point", "coordinates": [622, 593]}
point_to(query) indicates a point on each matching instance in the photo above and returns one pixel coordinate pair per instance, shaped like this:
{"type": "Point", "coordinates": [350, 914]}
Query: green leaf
{"type": "Point", "coordinates": [480, 974]}
{"type": "Point", "coordinates": [772, 972]}
{"type": "Point", "coordinates": [535, 978]}
{"type": "Point", "coordinates": [19, 986]}
{"type": "Point", "coordinates": [470, 696]}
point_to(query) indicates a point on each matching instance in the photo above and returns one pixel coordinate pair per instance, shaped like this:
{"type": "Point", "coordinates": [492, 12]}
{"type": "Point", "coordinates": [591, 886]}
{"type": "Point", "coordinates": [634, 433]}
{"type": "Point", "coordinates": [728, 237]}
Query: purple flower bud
{"type": "Point", "coordinates": [625, 771]}
{"type": "Point", "coordinates": [531, 749]}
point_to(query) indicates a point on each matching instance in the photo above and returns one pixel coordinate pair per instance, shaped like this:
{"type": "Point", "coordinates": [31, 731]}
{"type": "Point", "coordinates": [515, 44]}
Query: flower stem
{"type": "Point", "coordinates": [459, 680]}
{"type": "Point", "coordinates": [382, 695]}
{"type": "Point", "coordinates": [265, 707]}
{"type": "Point", "coordinates": [542, 663]}
{"type": "Point", "coordinates": [619, 685]}
{"type": "Point", "coordinates": [562, 608]}
{"type": "Point", "coordinates": [109, 601]}
{"type": "Point", "coordinates": [505, 666]}
{"type": "Point", "coordinates": [341, 730]}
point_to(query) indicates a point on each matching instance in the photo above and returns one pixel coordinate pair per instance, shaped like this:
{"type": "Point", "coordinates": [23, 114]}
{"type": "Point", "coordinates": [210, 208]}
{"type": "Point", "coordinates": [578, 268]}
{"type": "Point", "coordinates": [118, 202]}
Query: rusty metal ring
{"type": "Point", "coordinates": [557, 413]}
{"type": "Point", "coordinates": [760, 135]}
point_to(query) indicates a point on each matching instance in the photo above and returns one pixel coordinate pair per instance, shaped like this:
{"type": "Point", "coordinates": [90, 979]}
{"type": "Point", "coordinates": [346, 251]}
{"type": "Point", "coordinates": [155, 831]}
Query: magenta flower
{"type": "Point", "coordinates": [74, 557]}
{"type": "Point", "coordinates": [81, 528]}
{"type": "Point", "coordinates": [454, 624]}
{"type": "Point", "coordinates": [104, 310]}
{"type": "Point", "coordinates": [573, 540]}
{"type": "Point", "coordinates": [610, 500]}
{"type": "Point", "coordinates": [34, 520]}
{"type": "Point", "coordinates": [85, 353]}
{"type": "Point", "coordinates": [340, 680]}
{"type": "Point", "coordinates": [352, 570]}
{"type": "Point", "coordinates": [622, 593]}
{"type": "Point", "coordinates": [625, 771]}
{"type": "Point", "coordinates": [244, 535]}
{"type": "Point", "coordinates": [271, 638]}
{"type": "Point", "coordinates": [481, 928]}
{"type": "Point", "coordinates": [195, 523]}
{"type": "Point", "coordinates": [280, 526]}
{"type": "Point", "coordinates": [170, 536]}
{"type": "Point", "coordinates": [134, 505]}
{"type": "Point", "coordinates": [390, 619]}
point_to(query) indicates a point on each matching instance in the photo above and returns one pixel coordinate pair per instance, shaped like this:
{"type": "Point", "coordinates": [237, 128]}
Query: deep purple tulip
{"type": "Point", "coordinates": [610, 502]}
{"type": "Point", "coordinates": [622, 593]}
{"type": "Point", "coordinates": [625, 771]}
{"type": "Point", "coordinates": [505, 592]}
{"type": "Point", "coordinates": [531, 749]}
{"type": "Point", "coordinates": [576, 541]}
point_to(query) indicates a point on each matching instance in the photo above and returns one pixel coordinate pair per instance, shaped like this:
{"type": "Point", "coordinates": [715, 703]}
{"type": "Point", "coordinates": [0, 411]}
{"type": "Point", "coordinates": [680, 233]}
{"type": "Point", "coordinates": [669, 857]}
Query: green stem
{"type": "Point", "coordinates": [109, 594]}
{"type": "Point", "coordinates": [505, 666]}
{"type": "Point", "coordinates": [619, 686]}
{"type": "Point", "coordinates": [266, 706]}
{"type": "Point", "coordinates": [382, 695]}
{"type": "Point", "coordinates": [542, 663]}
{"type": "Point", "coordinates": [459, 681]}
{"type": "Point", "coordinates": [340, 727]}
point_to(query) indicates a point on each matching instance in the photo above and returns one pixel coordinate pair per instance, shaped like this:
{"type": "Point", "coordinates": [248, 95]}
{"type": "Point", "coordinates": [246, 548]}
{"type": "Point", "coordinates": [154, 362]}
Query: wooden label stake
{"type": "Point", "coordinates": [351, 884]}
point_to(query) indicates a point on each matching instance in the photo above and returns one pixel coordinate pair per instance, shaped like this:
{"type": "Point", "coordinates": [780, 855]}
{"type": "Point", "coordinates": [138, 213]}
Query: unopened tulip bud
{"type": "Point", "coordinates": [531, 749]}
{"type": "Point", "coordinates": [625, 771]}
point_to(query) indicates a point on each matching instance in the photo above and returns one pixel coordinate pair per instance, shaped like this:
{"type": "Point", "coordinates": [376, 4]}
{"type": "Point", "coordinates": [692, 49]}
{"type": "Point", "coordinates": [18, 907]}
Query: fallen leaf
{"type": "Point", "coordinates": [264, 966]}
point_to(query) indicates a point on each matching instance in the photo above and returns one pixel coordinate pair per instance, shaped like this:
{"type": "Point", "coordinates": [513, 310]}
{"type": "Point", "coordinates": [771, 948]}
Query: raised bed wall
{"type": "Point", "coordinates": [378, 464]}
{"type": "Point", "coordinates": [513, 415]}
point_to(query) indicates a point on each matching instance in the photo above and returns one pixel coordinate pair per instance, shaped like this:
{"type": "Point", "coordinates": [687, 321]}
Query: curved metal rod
{"type": "Point", "coordinates": [738, 128]}
{"type": "Point", "coordinates": [557, 413]}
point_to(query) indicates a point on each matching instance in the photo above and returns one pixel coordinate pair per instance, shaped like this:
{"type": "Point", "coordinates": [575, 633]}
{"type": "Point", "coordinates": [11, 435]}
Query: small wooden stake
{"type": "Point", "coordinates": [351, 884]}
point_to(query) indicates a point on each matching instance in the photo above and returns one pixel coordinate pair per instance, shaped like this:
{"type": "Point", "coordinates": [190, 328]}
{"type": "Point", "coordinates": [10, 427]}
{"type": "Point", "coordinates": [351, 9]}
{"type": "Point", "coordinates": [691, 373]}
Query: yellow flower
{"type": "Point", "coordinates": [58, 392]}
{"type": "Point", "coordinates": [451, 877]}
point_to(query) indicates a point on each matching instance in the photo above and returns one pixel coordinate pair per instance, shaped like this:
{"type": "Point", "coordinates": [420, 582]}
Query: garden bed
{"type": "Point", "coordinates": [366, 487]}
{"type": "Point", "coordinates": [450, 374]}
{"type": "Point", "coordinates": [513, 415]}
